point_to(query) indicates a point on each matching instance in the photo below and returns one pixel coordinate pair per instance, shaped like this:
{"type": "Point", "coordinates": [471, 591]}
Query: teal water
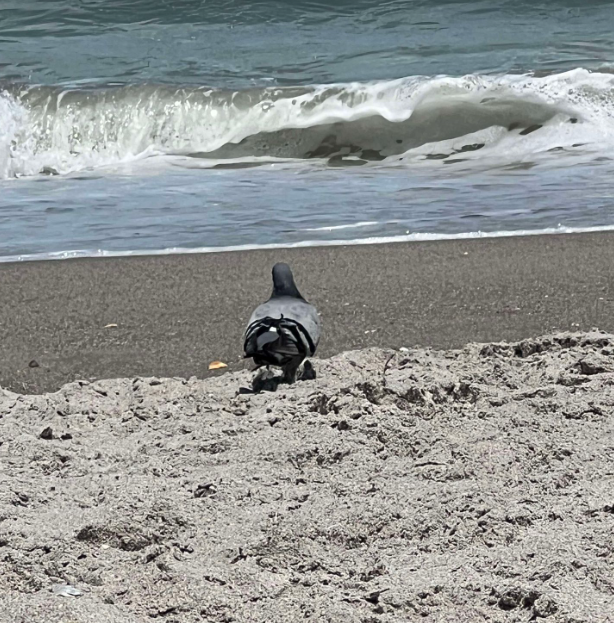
{"type": "Point", "coordinates": [139, 126]}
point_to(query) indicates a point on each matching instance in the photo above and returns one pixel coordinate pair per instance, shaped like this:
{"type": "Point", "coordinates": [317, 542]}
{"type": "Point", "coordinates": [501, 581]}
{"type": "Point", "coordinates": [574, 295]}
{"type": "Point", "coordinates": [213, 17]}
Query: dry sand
{"type": "Point", "coordinates": [439, 486]}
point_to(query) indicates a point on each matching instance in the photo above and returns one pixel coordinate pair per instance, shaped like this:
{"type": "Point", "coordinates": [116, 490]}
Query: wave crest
{"type": "Point", "coordinates": [54, 130]}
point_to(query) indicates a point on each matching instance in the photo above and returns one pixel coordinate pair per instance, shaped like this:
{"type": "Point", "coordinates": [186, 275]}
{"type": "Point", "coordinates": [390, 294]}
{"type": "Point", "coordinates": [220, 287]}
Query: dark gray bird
{"type": "Point", "coordinates": [285, 330]}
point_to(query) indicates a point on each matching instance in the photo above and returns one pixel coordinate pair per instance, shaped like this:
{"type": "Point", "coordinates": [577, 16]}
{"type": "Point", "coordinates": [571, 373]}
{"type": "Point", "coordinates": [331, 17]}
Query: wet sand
{"type": "Point", "coordinates": [176, 314]}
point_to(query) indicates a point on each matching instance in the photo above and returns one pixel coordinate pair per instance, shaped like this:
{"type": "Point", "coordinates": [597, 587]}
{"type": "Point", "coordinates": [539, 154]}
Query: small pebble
{"type": "Point", "coordinates": [47, 433]}
{"type": "Point", "coordinates": [66, 590]}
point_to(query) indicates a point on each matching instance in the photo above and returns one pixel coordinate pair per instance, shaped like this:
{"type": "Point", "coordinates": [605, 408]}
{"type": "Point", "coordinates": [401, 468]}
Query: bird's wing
{"type": "Point", "coordinates": [294, 309]}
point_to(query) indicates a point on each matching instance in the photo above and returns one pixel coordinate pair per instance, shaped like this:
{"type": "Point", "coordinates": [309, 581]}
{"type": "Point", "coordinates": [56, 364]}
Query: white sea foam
{"type": "Point", "coordinates": [340, 227]}
{"type": "Point", "coordinates": [416, 120]}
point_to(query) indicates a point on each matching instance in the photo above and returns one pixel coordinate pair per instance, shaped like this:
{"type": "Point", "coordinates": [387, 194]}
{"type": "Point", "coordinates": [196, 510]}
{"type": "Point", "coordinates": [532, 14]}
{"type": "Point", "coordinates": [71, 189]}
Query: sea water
{"type": "Point", "coordinates": [131, 126]}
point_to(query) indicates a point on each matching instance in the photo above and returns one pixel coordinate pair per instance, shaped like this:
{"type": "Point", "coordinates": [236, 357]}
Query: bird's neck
{"type": "Point", "coordinates": [286, 289]}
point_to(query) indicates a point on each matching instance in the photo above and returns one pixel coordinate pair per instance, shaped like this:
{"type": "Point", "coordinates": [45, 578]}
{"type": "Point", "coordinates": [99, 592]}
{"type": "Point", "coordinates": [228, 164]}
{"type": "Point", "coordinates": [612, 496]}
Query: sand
{"type": "Point", "coordinates": [472, 485]}
{"type": "Point", "coordinates": [171, 316]}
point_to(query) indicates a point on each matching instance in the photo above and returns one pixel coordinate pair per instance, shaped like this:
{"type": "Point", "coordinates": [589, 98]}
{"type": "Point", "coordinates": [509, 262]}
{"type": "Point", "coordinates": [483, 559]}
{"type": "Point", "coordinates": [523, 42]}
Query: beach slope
{"type": "Point", "coordinates": [470, 485]}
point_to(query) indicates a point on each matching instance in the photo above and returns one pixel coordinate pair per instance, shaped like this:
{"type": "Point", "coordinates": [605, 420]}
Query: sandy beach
{"type": "Point", "coordinates": [176, 314]}
{"type": "Point", "coordinates": [464, 480]}
{"type": "Point", "coordinates": [469, 485]}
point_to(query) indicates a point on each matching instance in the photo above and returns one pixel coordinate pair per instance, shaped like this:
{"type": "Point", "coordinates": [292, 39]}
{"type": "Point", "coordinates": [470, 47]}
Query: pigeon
{"type": "Point", "coordinates": [285, 330]}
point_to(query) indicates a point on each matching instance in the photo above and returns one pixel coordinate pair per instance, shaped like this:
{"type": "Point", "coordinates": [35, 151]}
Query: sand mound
{"type": "Point", "coordinates": [470, 485]}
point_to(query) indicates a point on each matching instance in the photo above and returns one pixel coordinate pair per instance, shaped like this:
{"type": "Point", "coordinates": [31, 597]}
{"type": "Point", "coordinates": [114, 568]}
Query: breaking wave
{"type": "Point", "coordinates": [54, 130]}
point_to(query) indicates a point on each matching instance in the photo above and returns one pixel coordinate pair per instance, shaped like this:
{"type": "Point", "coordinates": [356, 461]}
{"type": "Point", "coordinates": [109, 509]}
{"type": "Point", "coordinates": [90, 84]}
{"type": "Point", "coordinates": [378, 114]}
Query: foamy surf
{"type": "Point", "coordinates": [417, 120]}
{"type": "Point", "coordinates": [359, 225]}
{"type": "Point", "coordinates": [407, 238]}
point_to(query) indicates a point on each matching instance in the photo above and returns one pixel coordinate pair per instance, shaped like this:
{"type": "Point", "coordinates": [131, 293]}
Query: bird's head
{"type": "Point", "coordinates": [283, 281]}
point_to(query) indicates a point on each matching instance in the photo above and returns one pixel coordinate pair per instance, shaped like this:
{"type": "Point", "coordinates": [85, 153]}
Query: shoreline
{"type": "Point", "coordinates": [176, 313]}
{"type": "Point", "coordinates": [73, 254]}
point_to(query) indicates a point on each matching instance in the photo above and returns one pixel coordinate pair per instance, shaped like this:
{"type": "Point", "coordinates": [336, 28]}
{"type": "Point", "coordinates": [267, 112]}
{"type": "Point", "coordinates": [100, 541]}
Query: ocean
{"type": "Point", "coordinates": [132, 126]}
